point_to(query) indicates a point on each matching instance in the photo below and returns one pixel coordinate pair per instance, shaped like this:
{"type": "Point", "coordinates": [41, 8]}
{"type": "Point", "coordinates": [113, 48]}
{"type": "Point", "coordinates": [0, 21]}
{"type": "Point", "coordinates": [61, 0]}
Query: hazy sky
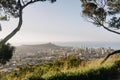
{"type": "Point", "coordinates": [61, 21]}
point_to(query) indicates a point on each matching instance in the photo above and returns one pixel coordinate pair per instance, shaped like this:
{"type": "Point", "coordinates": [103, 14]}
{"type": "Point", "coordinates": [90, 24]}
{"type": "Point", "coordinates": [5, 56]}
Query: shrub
{"type": "Point", "coordinates": [73, 61]}
{"type": "Point", "coordinates": [6, 53]}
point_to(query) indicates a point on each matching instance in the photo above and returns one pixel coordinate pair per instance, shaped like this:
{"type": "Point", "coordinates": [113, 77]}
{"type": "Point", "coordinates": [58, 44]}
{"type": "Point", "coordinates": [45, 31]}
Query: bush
{"type": "Point", "coordinates": [73, 61]}
{"type": "Point", "coordinates": [6, 53]}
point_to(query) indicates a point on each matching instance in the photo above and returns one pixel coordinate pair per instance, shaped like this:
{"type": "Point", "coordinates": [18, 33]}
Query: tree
{"type": "Point", "coordinates": [103, 13]}
{"type": "Point", "coordinates": [6, 53]}
{"type": "Point", "coordinates": [14, 9]}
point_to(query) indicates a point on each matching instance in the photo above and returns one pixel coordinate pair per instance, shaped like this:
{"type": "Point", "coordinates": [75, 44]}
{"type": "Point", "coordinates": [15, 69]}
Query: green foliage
{"type": "Point", "coordinates": [6, 53]}
{"type": "Point", "coordinates": [11, 7]}
{"type": "Point", "coordinates": [73, 61]}
{"type": "Point", "coordinates": [101, 73]}
{"type": "Point", "coordinates": [113, 6]}
{"type": "Point", "coordinates": [92, 70]}
{"type": "Point", "coordinates": [115, 23]}
{"type": "Point", "coordinates": [92, 10]}
{"type": "Point", "coordinates": [102, 12]}
{"type": "Point", "coordinates": [8, 8]}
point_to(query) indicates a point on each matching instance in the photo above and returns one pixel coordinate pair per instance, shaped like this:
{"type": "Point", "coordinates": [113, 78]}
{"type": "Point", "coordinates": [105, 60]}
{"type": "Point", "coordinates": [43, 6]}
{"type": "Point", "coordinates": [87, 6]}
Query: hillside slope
{"type": "Point", "coordinates": [70, 68]}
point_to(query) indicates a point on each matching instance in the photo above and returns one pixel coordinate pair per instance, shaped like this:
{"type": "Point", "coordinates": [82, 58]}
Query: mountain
{"type": "Point", "coordinates": [30, 49]}
{"type": "Point", "coordinates": [47, 45]}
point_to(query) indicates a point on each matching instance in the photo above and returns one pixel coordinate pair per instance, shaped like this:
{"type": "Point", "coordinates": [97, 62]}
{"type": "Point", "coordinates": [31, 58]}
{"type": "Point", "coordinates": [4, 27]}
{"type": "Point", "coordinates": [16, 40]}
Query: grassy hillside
{"type": "Point", "coordinates": [70, 68]}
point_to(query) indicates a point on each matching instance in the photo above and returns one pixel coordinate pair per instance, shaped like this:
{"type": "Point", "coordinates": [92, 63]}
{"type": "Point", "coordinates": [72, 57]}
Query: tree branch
{"type": "Point", "coordinates": [15, 30]}
{"type": "Point", "coordinates": [110, 30]}
{"type": "Point", "coordinates": [31, 2]}
{"type": "Point", "coordinates": [22, 2]}
{"type": "Point", "coordinates": [101, 24]}
{"type": "Point", "coordinates": [115, 52]}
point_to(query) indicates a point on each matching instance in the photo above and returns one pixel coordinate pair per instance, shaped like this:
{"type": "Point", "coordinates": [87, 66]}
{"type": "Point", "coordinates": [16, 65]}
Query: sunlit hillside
{"type": "Point", "coordinates": [69, 68]}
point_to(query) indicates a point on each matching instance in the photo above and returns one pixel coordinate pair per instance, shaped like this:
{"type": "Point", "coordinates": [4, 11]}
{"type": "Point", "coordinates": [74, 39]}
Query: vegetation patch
{"type": "Point", "coordinates": [69, 68]}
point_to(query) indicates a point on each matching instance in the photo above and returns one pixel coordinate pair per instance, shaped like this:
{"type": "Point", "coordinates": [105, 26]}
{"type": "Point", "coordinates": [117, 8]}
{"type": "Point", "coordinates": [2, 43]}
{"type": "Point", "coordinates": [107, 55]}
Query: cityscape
{"type": "Point", "coordinates": [39, 54]}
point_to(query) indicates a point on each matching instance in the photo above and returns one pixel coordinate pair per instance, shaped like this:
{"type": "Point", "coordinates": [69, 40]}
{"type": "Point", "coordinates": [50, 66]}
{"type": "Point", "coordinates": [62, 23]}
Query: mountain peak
{"type": "Point", "coordinates": [47, 45]}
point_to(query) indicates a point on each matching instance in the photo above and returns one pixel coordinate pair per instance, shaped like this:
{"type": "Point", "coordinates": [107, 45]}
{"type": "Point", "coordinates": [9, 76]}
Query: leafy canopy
{"type": "Point", "coordinates": [10, 8]}
{"type": "Point", "coordinates": [102, 13]}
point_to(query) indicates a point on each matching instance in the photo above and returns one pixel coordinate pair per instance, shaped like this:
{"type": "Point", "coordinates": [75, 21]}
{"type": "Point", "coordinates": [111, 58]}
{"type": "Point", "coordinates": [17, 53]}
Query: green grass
{"type": "Point", "coordinates": [70, 68]}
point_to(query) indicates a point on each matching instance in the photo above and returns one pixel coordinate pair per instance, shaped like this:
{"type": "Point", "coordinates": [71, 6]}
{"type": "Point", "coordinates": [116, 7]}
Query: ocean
{"type": "Point", "coordinates": [112, 45]}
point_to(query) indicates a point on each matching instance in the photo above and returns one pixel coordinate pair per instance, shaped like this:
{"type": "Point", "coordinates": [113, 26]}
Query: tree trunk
{"type": "Point", "coordinates": [114, 52]}
{"type": "Point", "coordinates": [9, 36]}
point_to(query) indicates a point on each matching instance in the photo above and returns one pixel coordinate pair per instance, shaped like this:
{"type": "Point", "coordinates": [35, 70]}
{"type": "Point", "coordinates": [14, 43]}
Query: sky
{"type": "Point", "coordinates": [61, 21]}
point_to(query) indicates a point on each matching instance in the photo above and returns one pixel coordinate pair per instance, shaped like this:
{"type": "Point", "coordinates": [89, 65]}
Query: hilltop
{"type": "Point", "coordinates": [38, 46]}
{"type": "Point", "coordinates": [47, 45]}
{"type": "Point", "coordinates": [24, 49]}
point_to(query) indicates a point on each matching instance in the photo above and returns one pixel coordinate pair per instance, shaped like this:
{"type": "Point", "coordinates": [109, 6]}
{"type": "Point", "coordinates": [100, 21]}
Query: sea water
{"type": "Point", "coordinates": [112, 45]}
